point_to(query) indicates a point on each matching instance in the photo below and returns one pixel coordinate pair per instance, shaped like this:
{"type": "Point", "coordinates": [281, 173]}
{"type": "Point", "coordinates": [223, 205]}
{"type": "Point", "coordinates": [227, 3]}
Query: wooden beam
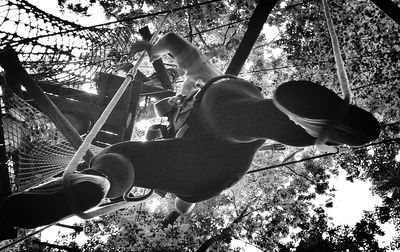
{"type": "Point", "coordinates": [116, 117]}
{"type": "Point", "coordinates": [67, 92]}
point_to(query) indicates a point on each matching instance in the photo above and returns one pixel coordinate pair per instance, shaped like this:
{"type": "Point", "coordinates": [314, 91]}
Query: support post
{"type": "Point", "coordinates": [255, 26]}
{"type": "Point", "coordinates": [10, 63]}
{"type": "Point", "coordinates": [161, 72]}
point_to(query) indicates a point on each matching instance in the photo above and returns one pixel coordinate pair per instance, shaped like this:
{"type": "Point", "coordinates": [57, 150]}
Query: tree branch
{"type": "Point", "coordinates": [190, 26]}
{"type": "Point", "coordinates": [225, 231]}
{"type": "Point", "coordinates": [300, 175]}
{"type": "Point", "coordinates": [202, 39]}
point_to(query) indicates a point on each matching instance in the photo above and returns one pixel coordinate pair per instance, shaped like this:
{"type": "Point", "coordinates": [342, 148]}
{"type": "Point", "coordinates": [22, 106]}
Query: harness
{"type": "Point", "coordinates": [180, 109]}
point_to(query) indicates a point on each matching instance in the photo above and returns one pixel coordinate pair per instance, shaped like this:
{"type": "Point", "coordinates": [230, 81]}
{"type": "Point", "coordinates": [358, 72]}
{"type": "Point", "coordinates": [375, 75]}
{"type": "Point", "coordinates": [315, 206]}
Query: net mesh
{"type": "Point", "coordinates": [61, 53]}
{"type": "Point", "coordinates": [35, 148]}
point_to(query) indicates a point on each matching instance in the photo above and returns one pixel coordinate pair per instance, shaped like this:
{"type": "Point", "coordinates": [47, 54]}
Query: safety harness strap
{"type": "Point", "coordinates": [180, 109]}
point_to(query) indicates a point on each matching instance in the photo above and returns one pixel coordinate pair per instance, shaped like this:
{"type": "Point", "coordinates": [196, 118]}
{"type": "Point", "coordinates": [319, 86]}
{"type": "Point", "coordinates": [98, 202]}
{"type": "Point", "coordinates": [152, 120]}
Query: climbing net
{"type": "Point", "coordinates": [57, 51]}
{"type": "Point", "coordinates": [60, 51]}
{"type": "Point", "coordinates": [31, 142]}
{"type": "Point", "coordinates": [35, 148]}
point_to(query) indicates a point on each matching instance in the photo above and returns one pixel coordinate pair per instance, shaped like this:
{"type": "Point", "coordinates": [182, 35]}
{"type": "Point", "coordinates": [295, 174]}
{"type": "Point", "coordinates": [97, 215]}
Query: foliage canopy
{"type": "Point", "coordinates": [275, 210]}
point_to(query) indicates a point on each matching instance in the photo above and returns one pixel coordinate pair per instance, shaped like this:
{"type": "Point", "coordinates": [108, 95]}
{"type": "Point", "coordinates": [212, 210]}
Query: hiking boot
{"type": "Point", "coordinates": [313, 107]}
{"type": "Point", "coordinates": [47, 203]}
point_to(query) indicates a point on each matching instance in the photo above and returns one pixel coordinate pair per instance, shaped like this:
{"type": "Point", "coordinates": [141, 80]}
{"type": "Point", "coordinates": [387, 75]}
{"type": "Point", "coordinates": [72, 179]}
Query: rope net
{"type": "Point", "coordinates": [35, 148]}
{"type": "Point", "coordinates": [60, 51]}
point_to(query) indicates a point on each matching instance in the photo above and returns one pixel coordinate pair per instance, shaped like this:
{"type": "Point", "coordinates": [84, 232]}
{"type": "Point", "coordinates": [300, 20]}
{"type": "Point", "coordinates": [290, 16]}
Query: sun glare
{"type": "Point", "coordinates": [153, 204]}
{"type": "Point", "coordinates": [371, 152]}
{"type": "Point", "coordinates": [397, 157]}
{"type": "Point", "coordinates": [143, 125]}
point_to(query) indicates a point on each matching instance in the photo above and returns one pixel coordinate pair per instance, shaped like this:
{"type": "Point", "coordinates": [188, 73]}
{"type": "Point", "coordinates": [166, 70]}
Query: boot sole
{"type": "Point", "coordinates": [299, 100]}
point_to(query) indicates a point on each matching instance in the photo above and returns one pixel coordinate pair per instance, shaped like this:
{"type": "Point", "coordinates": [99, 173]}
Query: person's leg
{"type": "Point", "coordinates": [188, 167]}
{"type": "Point", "coordinates": [313, 107]}
{"type": "Point", "coordinates": [236, 110]}
{"type": "Point", "coordinates": [47, 203]}
{"type": "Point", "coordinates": [109, 177]}
{"type": "Point", "coordinates": [181, 207]}
{"type": "Point", "coordinates": [194, 168]}
{"type": "Point", "coordinates": [117, 169]}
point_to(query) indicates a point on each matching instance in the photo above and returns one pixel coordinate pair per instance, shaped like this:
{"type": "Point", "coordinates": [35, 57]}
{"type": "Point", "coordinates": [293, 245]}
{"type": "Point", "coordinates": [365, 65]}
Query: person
{"type": "Point", "coordinates": [219, 122]}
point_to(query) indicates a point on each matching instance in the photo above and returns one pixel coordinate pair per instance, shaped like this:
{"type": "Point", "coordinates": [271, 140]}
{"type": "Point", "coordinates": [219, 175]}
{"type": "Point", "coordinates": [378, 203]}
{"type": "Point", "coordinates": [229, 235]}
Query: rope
{"type": "Point", "coordinates": [292, 162]}
{"type": "Point", "coordinates": [140, 17]}
{"type": "Point", "coordinates": [322, 155]}
{"type": "Point", "coordinates": [322, 62]}
{"type": "Point", "coordinates": [343, 80]}
{"type": "Point", "coordinates": [112, 22]}
{"type": "Point", "coordinates": [93, 132]}
{"type": "Point", "coordinates": [341, 70]}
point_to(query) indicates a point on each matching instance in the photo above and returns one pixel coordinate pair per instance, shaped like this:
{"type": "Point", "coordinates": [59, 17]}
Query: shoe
{"type": "Point", "coordinates": [47, 203]}
{"type": "Point", "coordinates": [313, 106]}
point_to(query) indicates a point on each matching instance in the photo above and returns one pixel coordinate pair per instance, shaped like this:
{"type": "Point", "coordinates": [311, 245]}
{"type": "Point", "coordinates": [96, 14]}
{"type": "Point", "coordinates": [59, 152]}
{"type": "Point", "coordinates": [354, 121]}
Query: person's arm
{"type": "Point", "coordinates": [196, 65]}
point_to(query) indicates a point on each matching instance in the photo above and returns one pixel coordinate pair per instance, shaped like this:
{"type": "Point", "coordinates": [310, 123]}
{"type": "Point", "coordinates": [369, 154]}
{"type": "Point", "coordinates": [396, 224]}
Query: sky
{"type": "Point", "coordinates": [351, 198]}
{"type": "Point", "coordinates": [51, 6]}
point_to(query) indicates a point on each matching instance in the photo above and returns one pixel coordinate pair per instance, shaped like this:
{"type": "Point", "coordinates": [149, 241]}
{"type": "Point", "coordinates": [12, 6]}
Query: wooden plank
{"type": "Point", "coordinates": [66, 92]}
{"type": "Point", "coordinates": [93, 111]}
{"type": "Point", "coordinates": [107, 86]}
{"type": "Point", "coordinates": [120, 123]}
